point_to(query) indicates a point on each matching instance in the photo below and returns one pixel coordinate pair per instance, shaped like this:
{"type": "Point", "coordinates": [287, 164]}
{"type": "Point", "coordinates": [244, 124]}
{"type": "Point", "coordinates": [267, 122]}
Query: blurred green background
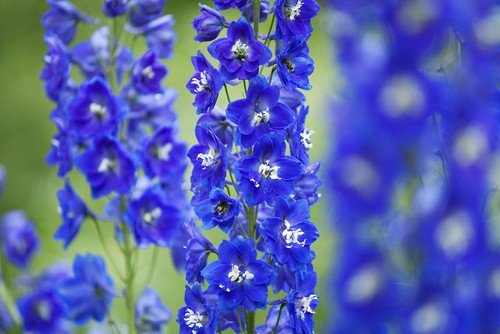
{"type": "Point", "coordinates": [25, 134]}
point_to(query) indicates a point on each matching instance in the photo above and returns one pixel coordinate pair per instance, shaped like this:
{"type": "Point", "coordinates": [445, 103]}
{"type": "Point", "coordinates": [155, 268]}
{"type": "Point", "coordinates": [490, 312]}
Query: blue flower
{"type": "Point", "coordinates": [198, 316]}
{"type": "Point", "coordinates": [300, 137]}
{"type": "Point", "coordinates": [142, 12]}
{"type": "Point", "coordinates": [150, 313]}
{"type": "Point", "coordinates": [42, 311]}
{"type": "Point", "coordinates": [159, 35]}
{"type": "Point", "coordinates": [302, 303]}
{"type": "Point", "coordinates": [147, 73]}
{"type": "Point", "coordinates": [89, 293]}
{"type": "Point", "coordinates": [6, 320]}
{"type": "Point", "coordinates": [62, 20]}
{"type": "Point", "coordinates": [267, 173]}
{"type": "Point", "coordinates": [259, 113]}
{"type": "Point", "coordinates": [293, 63]}
{"type": "Point", "coordinates": [152, 110]}
{"type": "Point", "coordinates": [219, 209]}
{"type": "Point", "coordinates": [153, 220]}
{"type": "Point", "coordinates": [239, 278]}
{"type": "Point", "coordinates": [107, 167]}
{"type": "Point", "coordinates": [289, 234]}
{"type": "Point", "coordinates": [209, 24]}
{"type": "Point", "coordinates": [264, 10]}
{"type": "Point", "coordinates": [64, 148]}
{"type": "Point", "coordinates": [2, 180]}
{"type": "Point", "coordinates": [293, 18]}
{"type": "Point", "coordinates": [226, 4]}
{"type": "Point", "coordinates": [307, 184]}
{"type": "Point", "coordinates": [114, 8]}
{"type": "Point", "coordinates": [95, 111]}
{"type": "Point", "coordinates": [164, 155]}
{"type": "Point", "coordinates": [239, 54]}
{"type": "Point", "coordinates": [19, 239]}
{"type": "Point", "coordinates": [57, 67]}
{"type": "Point", "coordinates": [73, 213]}
{"type": "Point", "coordinates": [206, 84]}
{"type": "Point", "coordinates": [219, 124]}
{"type": "Point", "coordinates": [272, 318]}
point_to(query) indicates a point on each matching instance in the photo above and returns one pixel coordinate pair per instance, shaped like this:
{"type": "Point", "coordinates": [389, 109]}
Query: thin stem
{"type": "Point", "coordinates": [227, 94]}
{"type": "Point", "coordinates": [245, 86]}
{"type": "Point", "coordinates": [250, 319]}
{"type": "Point", "coordinates": [152, 266]}
{"type": "Point", "coordinates": [278, 319]}
{"type": "Point", "coordinates": [129, 281]}
{"type": "Point", "coordinates": [109, 255]}
{"type": "Point", "coordinates": [272, 73]}
{"type": "Point", "coordinates": [270, 29]}
{"type": "Point", "coordinates": [256, 18]}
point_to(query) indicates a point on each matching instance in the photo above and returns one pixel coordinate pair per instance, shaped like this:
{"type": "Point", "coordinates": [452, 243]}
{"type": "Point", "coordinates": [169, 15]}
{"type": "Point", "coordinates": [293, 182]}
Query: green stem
{"type": "Point", "coordinates": [109, 255]}
{"type": "Point", "coordinates": [129, 279]}
{"type": "Point", "coordinates": [278, 319]}
{"type": "Point", "coordinates": [152, 266]}
{"type": "Point", "coordinates": [250, 319]}
{"type": "Point", "coordinates": [256, 18]}
{"type": "Point", "coordinates": [227, 94]}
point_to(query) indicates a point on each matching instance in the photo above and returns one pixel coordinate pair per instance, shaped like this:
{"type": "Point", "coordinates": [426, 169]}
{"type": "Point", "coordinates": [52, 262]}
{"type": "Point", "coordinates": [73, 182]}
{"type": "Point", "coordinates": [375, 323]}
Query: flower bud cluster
{"type": "Point", "coordinates": [252, 176]}
{"type": "Point", "coordinates": [416, 138]}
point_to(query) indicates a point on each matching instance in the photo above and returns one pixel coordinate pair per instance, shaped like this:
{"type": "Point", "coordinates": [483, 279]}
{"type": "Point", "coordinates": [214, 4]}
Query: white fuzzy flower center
{"type": "Point", "coordinates": [151, 216]}
{"type": "Point", "coordinates": [98, 110]}
{"type": "Point", "coordinates": [240, 50]}
{"type": "Point", "coordinates": [269, 171]}
{"type": "Point", "coordinates": [303, 305]}
{"type": "Point", "coordinates": [193, 320]}
{"type": "Point", "coordinates": [164, 151]}
{"type": "Point", "coordinates": [208, 159]}
{"type": "Point", "coordinates": [294, 11]}
{"type": "Point", "coordinates": [260, 117]}
{"type": "Point", "coordinates": [235, 275]}
{"type": "Point", "coordinates": [106, 165]}
{"type": "Point", "coordinates": [201, 83]}
{"type": "Point", "coordinates": [306, 138]}
{"type": "Point", "coordinates": [292, 236]}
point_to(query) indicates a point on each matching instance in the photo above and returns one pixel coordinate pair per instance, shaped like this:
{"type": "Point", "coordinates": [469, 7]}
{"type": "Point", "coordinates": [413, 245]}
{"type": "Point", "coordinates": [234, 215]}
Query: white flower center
{"type": "Point", "coordinates": [240, 50]}
{"type": "Point", "coordinates": [235, 275]}
{"type": "Point", "coordinates": [260, 117]}
{"type": "Point", "coordinates": [292, 236]}
{"type": "Point", "coordinates": [306, 138]}
{"type": "Point", "coordinates": [303, 305]}
{"type": "Point", "coordinates": [269, 171]}
{"type": "Point", "coordinates": [294, 11]}
{"type": "Point", "coordinates": [106, 165]}
{"type": "Point", "coordinates": [193, 320]}
{"type": "Point", "coordinates": [151, 216]}
{"type": "Point", "coordinates": [148, 73]}
{"type": "Point", "coordinates": [98, 110]}
{"type": "Point", "coordinates": [43, 309]}
{"type": "Point", "coordinates": [201, 83]}
{"type": "Point", "coordinates": [208, 159]}
{"type": "Point", "coordinates": [164, 151]}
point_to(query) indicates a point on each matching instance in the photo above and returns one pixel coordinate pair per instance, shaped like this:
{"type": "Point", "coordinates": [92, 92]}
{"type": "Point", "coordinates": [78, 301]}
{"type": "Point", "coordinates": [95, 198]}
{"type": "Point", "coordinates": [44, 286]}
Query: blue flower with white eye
{"type": "Point", "coordinates": [42, 311]}
{"type": "Point", "coordinates": [293, 18]}
{"type": "Point", "coordinates": [259, 113]}
{"type": "Point", "coordinates": [153, 220]}
{"type": "Point", "coordinates": [147, 73]}
{"type": "Point", "coordinates": [160, 36]}
{"type": "Point", "coordinates": [239, 278]}
{"type": "Point", "coordinates": [239, 54]}
{"type": "Point", "coordinates": [268, 172]}
{"type": "Point", "coordinates": [210, 159]}
{"type": "Point", "coordinates": [218, 210]}
{"type": "Point", "coordinates": [164, 155]}
{"type": "Point", "coordinates": [107, 167]}
{"type": "Point", "coordinates": [73, 213]}
{"type": "Point", "coordinates": [302, 303]}
{"type": "Point", "coordinates": [114, 8]}
{"type": "Point", "coordinates": [289, 234]}
{"type": "Point", "coordinates": [209, 24]}
{"type": "Point", "coordinates": [62, 20]}
{"type": "Point", "coordinates": [57, 68]}
{"type": "Point", "coordinates": [19, 239]}
{"type": "Point", "coordinates": [93, 57]}
{"type": "Point", "coordinates": [300, 137]}
{"type": "Point", "coordinates": [88, 294]}
{"type": "Point", "coordinates": [95, 110]}
{"type": "Point", "coordinates": [206, 84]}
{"type": "Point", "coordinates": [150, 313]}
{"type": "Point", "coordinates": [294, 65]}
{"type": "Point", "coordinates": [198, 316]}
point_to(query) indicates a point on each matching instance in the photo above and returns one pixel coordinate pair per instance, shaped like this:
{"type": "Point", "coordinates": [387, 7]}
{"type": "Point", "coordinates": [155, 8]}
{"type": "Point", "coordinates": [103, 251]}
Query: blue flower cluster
{"type": "Point", "coordinates": [252, 176]}
{"type": "Point", "coordinates": [116, 126]}
{"type": "Point", "coordinates": [412, 173]}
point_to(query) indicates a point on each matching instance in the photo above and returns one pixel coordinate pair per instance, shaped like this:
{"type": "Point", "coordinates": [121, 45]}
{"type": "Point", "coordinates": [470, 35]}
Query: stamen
{"type": "Point", "coordinates": [150, 217]}
{"type": "Point", "coordinates": [202, 83]}
{"type": "Point", "coordinates": [306, 138]}
{"type": "Point", "coordinates": [268, 171]}
{"type": "Point", "coordinates": [260, 117]}
{"type": "Point", "coordinates": [163, 152]}
{"type": "Point", "coordinates": [98, 110]}
{"type": "Point", "coordinates": [193, 319]}
{"type": "Point", "coordinates": [208, 159]}
{"type": "Point", "coordinates": [106, 165]}
{"type": "Point", "coordinates": [303, 305]}
{"type": "Point", "coordinates": [292, 236]}
{"type": "Point", "coordinates": [294, 11]}
{"type": "Point", "coordinates": [240, 50]}
{"type": "Point", "coordinates": [148, 72]}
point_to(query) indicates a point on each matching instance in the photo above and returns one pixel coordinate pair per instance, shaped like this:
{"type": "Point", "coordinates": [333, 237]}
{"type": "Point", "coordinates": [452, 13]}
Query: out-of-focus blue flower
{"type": "Point", "coordinates": [268, 172]}
{"type": "Point", "coordinates": [302, 303]}
{"type": "Point", "coordinates": [42, 311]}
{"type": "Point", "coordinates": [152, 110]}
{"type": "Point", "coordinates": [147, 73]}
{"type": "Point", "coordinates": [153, 220]}
{"type": "Point", "coordinates": [226, 4]}
{"type": "Point", "coordinates": [164, 155]}
{"type": "Point", "coordinates": [64, 148]}
{"type": "Point", "coordinates": [93, 57]}
{"type": "Point", "coordinates": [289, 234]}
{"type": "Point", "coordinates": [159, 35]}
{"type": "Point", "coordinates": [239, 278]}
{"type": "Point", "coordinates": [198, 316]}
{"type": "Point", "coordinates": [219, 209]}
{"type": "Point", "coordinates": [239, 54]}
{"type": "Point", "coordinates": [48, 279]}
{"type": "Point", "coordinates": [107, 167]}
{"type": "Point", "coordinates": [142, 12]}
{"type": "Point", "coordinates": [294, 65]}
{"type": "Point", "coordinates": [206, 84]}
{"type": "Point", "coordinates": [18, 238]}
{"type": "Point", "coordinates": [259, 113]}
{"type": "Point", "coordinates": [265, 10]}
{"type": "Point", "coordinates": [62, 20]}
{"type": "Point", "coordinates": [114, 8]}
{"type": "Point", "coordinates": [6, 320]}
{"type": "Point", "coordinates": [292, 98]}
{"type": "Point", "coordinates": [57, 67]}
{"type": "Point", "coordinates": [95, 110]}
{"type": "Point", "coordinates": [209, 24]}
{"type": "Point", "coordinates": [89, 293]}
{"type": "Point", "coordinates": [293, 17]}
{"type": "Point", "coordinates": [150, 313]}
{"type": "Point", "coordinates": [73, 213]}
